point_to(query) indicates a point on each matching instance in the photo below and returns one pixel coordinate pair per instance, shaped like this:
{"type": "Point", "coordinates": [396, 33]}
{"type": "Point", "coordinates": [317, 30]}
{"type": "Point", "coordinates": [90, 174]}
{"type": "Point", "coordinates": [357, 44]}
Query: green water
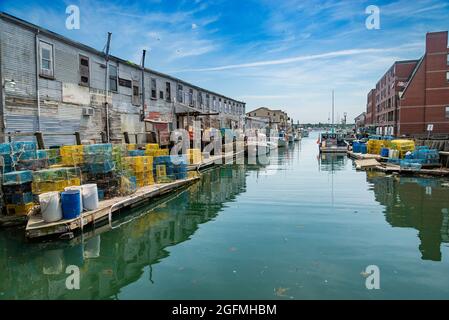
{"type": "Point", "coordinates": [303, 227]}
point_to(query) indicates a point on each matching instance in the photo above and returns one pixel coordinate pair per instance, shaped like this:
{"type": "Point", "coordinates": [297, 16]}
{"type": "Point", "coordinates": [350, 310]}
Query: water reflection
{"type": "Point", "coordinates": [332, 161]}
{"type": "Point", "coordinates": [419, 203]}
{"type": "Point", "coordinates": [111, 259]}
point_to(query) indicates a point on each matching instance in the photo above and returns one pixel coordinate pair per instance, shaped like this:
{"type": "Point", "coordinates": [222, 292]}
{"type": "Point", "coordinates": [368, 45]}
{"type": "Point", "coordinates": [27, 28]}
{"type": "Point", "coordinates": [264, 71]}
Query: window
{"type": "Point", "coordinates": [214, 103]}
{"type": "Point", "coordinates": [200, 99]}
{"type": "Point", "coordinates": [447, 76]}
{"type": "Point", "coordinates": [179, 94]}
{"type": "Point", "coordinates": [448, 59]}
{"type": "Point", "coordinates": [84, 71]}
{"type": "Point", "coordinates": [219, 105]}
{"type": "Point", "coordinates": [208, 101]}
{"type": "Point", "coordinates": [191, 97]}
{"type": "Point", "coordinates": [168, 91]}
{"type": "Point", "coordinates": [136, 93]}
{"type": "Point", "coordinates": [447, 112]}
{"type": "Point", "coordinates": [112, 78]}
{"type": "Point", "coordinates": [153, 89]}
{"type": "Point", "coordinates": [47, 59]}
{"type": "Point", "coordinates": [161, 95]}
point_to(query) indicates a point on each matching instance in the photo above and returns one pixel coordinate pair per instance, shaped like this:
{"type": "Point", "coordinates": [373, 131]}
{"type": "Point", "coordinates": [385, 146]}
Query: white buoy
{"type": "Point", "coordinates": [81, 194]}
{"type": "Point", "coordinates": [90, 196]}
{"type": "Point", "coordinates": [50, 206]}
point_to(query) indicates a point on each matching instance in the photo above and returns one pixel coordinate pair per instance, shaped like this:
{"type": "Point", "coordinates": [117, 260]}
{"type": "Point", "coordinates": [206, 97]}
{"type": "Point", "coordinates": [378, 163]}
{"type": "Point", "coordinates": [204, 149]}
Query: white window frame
{"type": "Point", "coordinates": [44, 71]}
{"type": "Point", "coordinates": [446, 112]}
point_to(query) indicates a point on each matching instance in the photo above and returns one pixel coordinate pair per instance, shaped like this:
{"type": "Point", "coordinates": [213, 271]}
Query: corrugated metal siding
{"type": "Point", "coordinates": [57, 116]}
{"type": "Point", "coordinates": [18, 59]}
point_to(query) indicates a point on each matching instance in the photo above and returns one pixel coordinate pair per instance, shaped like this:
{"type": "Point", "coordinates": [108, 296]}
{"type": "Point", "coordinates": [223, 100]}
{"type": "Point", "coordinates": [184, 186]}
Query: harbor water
{"type": "Point", "coordinates": [303, 227]}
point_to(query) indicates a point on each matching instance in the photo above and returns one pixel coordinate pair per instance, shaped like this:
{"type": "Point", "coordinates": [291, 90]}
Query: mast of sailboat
{"type": "Point", "coordinates": [333, 125]}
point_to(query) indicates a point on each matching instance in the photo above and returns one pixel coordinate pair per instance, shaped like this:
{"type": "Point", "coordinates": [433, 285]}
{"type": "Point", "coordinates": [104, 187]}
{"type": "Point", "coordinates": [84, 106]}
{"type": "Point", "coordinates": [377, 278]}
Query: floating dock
{"type": "Point", "coordinates": [37, 227]}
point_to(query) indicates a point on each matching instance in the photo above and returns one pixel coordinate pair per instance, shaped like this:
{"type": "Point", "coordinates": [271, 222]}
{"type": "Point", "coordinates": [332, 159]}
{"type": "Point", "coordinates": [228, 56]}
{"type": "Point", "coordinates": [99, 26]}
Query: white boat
{"type": "Point", "coordinates": [332, 143]}
{"type": "Point", "coordinates": [282, 140]}
{"type": "Point", "coordinates": [298, 135]}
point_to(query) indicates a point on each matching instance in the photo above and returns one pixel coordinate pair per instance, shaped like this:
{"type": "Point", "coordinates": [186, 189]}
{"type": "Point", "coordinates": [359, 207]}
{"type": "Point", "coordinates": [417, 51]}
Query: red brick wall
{"type": "Point", "coordinates": [427, 95]}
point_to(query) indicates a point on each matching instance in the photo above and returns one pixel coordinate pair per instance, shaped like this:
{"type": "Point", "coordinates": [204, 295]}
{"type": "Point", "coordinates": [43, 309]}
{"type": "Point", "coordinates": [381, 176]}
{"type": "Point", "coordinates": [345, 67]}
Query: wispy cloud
{"type": "Point", "coordinates": [327, 55]}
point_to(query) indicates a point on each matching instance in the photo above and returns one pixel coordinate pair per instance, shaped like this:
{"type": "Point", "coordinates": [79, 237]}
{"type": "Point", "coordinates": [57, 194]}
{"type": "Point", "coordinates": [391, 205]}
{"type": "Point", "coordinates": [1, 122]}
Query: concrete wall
{"type": "Point", "coordinates": [62, 98]}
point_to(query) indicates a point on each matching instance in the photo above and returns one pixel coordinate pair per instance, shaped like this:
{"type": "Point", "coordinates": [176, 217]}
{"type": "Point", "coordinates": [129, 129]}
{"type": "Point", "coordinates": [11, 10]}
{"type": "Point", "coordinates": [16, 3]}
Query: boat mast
{"type": "Point", "coordinates": [333, 129]}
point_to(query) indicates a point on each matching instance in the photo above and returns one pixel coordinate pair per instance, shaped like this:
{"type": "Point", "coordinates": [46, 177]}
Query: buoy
{"type": "Point", "coordinates": [90, 196]}
{"type": "Point", "coordinates": [79, 188]}
{"type": "Point", "coordinates": [70, 204]}
{"type": "Point", "coordinates": [50, 206]}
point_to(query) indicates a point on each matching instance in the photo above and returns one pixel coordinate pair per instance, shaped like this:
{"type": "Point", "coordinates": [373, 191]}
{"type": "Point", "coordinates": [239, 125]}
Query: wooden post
{"type": "Point", "coordinates": [103, 137]}
{"type": "Point", "coordinates": [40, 140]}
{"type": "Point", "coordinates": [77, 138]}
{"type": "Point", "coordinates": [126, 137]}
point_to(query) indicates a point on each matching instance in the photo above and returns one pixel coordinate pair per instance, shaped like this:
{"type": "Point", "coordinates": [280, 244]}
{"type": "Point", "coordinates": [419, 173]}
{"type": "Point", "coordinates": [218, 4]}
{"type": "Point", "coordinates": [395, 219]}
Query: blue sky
{"type": "Point", "coordinates": [286, 54]}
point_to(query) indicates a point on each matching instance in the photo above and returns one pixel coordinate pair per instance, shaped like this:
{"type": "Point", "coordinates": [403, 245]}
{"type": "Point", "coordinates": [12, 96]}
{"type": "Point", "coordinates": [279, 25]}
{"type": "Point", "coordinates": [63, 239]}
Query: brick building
{"type": "Point", "coordinates": [413, 93]}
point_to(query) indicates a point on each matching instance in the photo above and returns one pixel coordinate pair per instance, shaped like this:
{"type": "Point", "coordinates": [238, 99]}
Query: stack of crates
{"type": "Point", "coordinates": [194, 156]}
{"type": "Point", "coordinates": [119, 151]}
{"type": "Point", "coordinates": [55, 179]}
{"type": "Point", "coordinates": [72, 155]}
{"type": "Point", "coordinates": [375, 146]}
{"type": "Point", "coordinates": [17, 192]}
{"type": "Point", "coordinates": [99, 168]}
{"type": "Point", "coordinates": [426, 155]}
{"type": "Point", "coordinates": [141, 167]}
{"type": "Point", "coordinates": [131, 146]}
{"type": "Point", "coordinates": [51, 155]}
{"type": "Point", "coordinates": [403, 146]}
{"type": "Point", "coordinates": [136, 153]}
{"type": "Point", "coordinates": [163, 169]}
{"type": "Point", "coordinates": [153, 150]}
{"type": "Point", "coordinates": [16, 151]}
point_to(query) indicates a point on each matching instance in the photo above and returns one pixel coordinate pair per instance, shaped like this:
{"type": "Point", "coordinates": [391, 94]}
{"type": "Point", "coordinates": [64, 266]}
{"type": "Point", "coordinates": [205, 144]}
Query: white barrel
{"type": "Point", "coordinates": [50, 206]}
{"type": "Point", "coordinates": [90, 196]}
{"type": "Point", "coordinates": [81, 196]}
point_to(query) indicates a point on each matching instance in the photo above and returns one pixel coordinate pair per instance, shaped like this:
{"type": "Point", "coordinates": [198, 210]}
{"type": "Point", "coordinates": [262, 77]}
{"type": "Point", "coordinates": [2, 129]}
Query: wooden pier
{"type": "Point", "coordinates": [37, 227]}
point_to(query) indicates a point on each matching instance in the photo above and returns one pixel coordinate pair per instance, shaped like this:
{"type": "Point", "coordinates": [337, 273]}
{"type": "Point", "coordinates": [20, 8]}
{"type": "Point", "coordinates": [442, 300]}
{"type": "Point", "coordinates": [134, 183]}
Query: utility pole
{"type": "Point", "coordinates": [108, 43]}
{"type": "Point", "coordinates": [142, 115]}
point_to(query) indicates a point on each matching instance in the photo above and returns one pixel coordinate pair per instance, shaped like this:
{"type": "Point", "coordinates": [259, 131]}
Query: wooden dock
{"type": "Point", "coordinates": [363, 156]}
{"type": "Point", "coordinates": [37, 227]}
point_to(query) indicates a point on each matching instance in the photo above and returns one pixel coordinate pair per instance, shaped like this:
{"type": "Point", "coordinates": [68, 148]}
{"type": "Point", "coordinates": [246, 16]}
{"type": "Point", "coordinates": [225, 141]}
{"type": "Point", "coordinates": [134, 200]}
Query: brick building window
{"type": "Point", "coordinates": [447, 112]}
{"type": "Point", "coordinates": [447, 76]}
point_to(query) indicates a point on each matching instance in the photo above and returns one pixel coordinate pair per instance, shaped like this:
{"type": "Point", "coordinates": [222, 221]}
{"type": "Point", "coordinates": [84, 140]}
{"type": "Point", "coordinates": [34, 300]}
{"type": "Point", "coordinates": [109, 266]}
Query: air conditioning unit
{"type": "Point", "coordinates": [88, 112]}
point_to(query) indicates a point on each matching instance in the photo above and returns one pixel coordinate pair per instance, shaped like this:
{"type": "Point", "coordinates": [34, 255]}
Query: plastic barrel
{"type": "Point", "coordinates": [71, 204]}
{"type": "Point", "coordinates": [384, 152]}
{"type": "Point", "coordinates": [90, 196]}
{"type": "Point", "coordinates": [80, 190]}
{"type": "Point", "coordinates": [50, 206]}
{"type": "Point", "coordinates": [363, 148]}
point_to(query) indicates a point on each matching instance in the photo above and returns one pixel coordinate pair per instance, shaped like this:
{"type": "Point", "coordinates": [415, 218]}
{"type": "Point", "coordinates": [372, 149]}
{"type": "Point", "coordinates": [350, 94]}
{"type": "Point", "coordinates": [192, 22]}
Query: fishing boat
{"type": "Point", "coordinates": [305, 133]}
{"type": "Point", "coordinates": [282, 140]}
{"type": "Point", "coordinates": [332, 143]}
{"type": "Point", "coordinates": [291, 138]}
{"type": "Point", "coordinates": [297, 135]}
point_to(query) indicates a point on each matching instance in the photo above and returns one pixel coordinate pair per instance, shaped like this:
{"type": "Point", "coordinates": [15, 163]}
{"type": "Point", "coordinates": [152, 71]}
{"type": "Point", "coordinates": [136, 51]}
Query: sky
{"type": "Point", "coordinates": [284, 54]}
